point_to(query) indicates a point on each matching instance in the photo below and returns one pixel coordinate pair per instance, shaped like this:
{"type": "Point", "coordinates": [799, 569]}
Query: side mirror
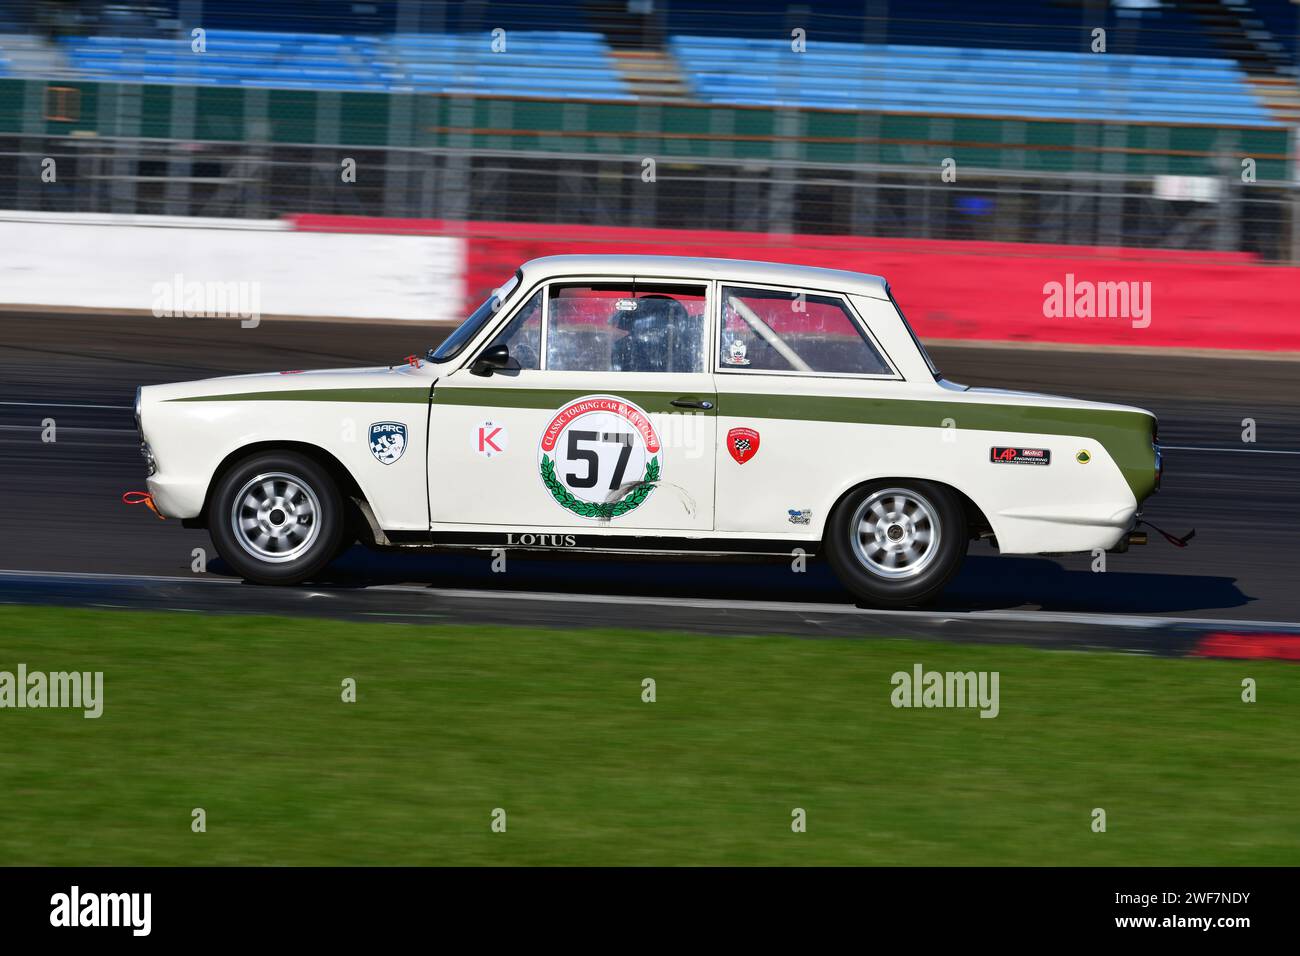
{"type": "Point", "coordinates": [491, 359]}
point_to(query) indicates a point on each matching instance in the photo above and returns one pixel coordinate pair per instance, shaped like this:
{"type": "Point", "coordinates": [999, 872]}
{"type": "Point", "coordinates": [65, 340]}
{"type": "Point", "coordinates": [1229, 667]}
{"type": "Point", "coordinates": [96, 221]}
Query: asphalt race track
{"type": "Point", "coordinates": [61, 508]}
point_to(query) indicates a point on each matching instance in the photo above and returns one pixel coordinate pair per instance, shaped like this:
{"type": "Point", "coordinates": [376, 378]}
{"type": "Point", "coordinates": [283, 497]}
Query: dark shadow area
{"type": "Point", "coordinates": [584, 574]}
{"type": "Point", "coordinates": [984, 583]}
{"type": "Point", "coordinates": [989, 582]}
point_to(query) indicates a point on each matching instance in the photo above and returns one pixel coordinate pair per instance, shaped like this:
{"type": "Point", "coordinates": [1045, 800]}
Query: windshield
{"type": "Point", "coordinates": [919, 347]}
{"type": "Point", "coordinates": [452, 344]}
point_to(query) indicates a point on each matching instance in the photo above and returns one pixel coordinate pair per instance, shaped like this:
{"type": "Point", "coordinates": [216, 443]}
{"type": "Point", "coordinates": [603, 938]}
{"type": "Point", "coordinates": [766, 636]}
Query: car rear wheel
{"type": "Point", "coordinates": [896, 543]}
{"type": "Point", "coordinates": [277, 518]}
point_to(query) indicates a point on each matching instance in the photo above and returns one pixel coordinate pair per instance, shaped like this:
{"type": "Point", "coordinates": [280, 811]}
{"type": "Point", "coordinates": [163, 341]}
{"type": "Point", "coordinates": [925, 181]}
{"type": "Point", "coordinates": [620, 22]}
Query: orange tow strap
{"type": "Point", "coordinates": [142, 498]}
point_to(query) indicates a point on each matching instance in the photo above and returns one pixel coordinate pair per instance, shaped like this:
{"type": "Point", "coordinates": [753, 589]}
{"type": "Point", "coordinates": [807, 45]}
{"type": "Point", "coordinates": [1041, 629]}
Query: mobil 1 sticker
{"type": "Point", "coordinates": [1020, 456]}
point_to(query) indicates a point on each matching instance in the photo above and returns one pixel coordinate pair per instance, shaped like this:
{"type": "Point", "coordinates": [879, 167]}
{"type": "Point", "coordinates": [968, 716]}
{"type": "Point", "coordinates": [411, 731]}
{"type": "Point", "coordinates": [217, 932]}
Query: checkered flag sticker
{"type": "Point", "coordinates": [742, 443]}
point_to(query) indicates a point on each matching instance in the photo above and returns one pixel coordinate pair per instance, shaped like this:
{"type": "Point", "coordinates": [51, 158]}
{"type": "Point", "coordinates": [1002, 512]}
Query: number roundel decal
{"type": "Point", "coordinates": [600, 457]}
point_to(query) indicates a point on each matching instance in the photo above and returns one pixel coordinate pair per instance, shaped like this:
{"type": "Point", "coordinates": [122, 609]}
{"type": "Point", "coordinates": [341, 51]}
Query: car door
{"type": "Point", "coordinates": [798, 376]}
{"type": "Point", "coordinates": [608, 424]}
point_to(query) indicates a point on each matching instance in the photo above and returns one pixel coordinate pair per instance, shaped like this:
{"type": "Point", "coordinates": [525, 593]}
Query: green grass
{"type": "Point", "coordinates": [242, 716]}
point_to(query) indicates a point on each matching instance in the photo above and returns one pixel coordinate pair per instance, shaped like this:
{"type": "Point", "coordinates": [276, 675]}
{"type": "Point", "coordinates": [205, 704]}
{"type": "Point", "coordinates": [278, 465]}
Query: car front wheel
{"type": "Point", "coordinates": [277, 518]}
{"type": "Point", "coordinates": [896, 543]}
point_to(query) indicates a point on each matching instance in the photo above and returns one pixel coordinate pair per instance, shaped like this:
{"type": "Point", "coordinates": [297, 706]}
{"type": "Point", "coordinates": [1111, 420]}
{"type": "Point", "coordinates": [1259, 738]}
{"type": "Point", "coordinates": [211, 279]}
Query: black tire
{"type": "Point", "coordinates": [864, 570]}
{"type": "Point", "coordinates": [298, 525]}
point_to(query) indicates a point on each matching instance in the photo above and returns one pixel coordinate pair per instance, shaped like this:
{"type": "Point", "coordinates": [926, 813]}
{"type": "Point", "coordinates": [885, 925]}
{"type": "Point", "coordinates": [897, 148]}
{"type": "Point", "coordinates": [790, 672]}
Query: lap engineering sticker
{"type": "Point", "coordinates": [600, 457]}
{"type": "Point", "coordinates": [1020, 456]}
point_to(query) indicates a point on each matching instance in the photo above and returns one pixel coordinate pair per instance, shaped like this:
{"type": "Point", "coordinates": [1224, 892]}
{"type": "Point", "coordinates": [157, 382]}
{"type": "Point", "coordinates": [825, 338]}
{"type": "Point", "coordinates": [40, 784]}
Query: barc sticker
{"type": "Point", "coordinates": [387, 441]}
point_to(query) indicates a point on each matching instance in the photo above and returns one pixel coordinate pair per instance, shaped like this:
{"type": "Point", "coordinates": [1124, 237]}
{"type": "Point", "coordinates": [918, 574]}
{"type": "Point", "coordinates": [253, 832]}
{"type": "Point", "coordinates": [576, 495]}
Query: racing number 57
{"type": "Point", "coordinates": [576, 452]}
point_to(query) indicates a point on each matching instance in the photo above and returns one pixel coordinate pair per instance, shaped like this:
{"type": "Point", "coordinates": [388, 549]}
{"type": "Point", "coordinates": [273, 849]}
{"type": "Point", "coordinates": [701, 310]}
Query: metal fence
{"type": "Point", "coordinates": [260, 180]}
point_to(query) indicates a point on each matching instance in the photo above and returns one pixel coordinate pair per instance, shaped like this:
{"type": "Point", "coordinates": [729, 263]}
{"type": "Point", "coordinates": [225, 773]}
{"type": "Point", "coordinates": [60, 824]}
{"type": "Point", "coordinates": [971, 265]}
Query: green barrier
{"type": "Point", "coordinates": [668, 131]}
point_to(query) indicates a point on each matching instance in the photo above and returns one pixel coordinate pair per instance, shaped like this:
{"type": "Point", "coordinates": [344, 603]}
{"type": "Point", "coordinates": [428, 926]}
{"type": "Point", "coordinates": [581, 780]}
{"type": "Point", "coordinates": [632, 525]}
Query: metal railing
{"type": "Point", "coordinates": [262, 180]}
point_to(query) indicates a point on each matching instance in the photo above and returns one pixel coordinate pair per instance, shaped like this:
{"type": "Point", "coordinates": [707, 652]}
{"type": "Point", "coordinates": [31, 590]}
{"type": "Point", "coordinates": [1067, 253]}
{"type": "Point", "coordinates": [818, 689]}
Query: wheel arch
{"type": "Point", "coordinates": [347, 483]}
{"type": "Point", "coordinates": [977, 522]}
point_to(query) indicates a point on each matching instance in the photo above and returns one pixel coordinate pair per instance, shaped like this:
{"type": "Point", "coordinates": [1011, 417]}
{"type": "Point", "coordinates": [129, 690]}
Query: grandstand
{"type": "Point", "coordinates": [1169, 61]}
{"type": "Point", "coordinates": [517, 110]}
{"type": "Point", "coordinates": [723, 70]}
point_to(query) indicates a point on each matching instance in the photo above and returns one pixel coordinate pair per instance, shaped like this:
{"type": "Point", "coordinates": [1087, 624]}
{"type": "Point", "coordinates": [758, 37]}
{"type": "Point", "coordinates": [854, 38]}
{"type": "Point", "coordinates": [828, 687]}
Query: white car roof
{"type": "Point", "coordinates": [692, 267]}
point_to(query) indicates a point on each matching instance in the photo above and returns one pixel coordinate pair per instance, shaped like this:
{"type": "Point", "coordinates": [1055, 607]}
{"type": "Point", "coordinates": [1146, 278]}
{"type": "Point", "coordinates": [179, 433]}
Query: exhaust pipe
{"type": "Point", "coordinates": [1130, 539]}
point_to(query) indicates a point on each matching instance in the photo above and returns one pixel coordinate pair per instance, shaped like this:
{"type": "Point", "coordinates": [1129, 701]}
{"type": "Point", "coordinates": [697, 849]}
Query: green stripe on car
{"type": "Point", "coordinates": [1125, 435]}
{"type": "Point", "coordinates": [372, 395]}
{"type": "Point", "coordinates": [555, 397]}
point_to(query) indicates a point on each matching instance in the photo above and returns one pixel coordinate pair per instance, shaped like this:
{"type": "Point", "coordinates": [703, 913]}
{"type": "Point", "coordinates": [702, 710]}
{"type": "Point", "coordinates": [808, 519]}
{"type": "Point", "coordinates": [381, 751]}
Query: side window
{"type": "Point", "coordinates": [768, 330]}
{"type": "Point", "coordinates": [621, 327]}
{"type": "Point", "coordinates": [523, 336]}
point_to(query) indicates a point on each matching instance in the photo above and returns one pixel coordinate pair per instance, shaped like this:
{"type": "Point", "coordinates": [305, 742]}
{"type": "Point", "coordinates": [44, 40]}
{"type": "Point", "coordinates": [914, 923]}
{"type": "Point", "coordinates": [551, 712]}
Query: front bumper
{"type": "Point", "coordinates": [177, 498]}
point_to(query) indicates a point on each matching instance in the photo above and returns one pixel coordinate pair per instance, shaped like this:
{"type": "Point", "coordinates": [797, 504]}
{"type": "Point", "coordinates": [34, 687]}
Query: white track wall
{"type": "Point", "coordinates": [57, 261]}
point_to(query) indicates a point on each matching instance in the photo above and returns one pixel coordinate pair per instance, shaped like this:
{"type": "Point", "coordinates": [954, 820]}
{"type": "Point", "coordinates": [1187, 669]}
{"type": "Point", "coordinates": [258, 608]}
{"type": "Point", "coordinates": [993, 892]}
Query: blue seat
{"type": "Point", "coordinates": [550, 63]}
{"type": "Point", "coordinates": [968, 81]}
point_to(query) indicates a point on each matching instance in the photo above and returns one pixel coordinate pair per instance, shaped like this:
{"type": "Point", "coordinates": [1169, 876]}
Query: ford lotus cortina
{"type": "Point", "coordinates": [652, 405]}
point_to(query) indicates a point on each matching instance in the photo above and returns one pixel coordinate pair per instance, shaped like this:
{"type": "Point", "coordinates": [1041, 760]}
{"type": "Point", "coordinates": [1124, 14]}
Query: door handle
{"type": "Point", "coordinates": [690, 403]}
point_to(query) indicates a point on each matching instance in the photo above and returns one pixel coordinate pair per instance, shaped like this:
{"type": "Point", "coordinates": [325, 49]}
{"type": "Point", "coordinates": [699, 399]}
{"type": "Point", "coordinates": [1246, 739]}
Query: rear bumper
{"type": "Point", "coordinates": [1058, 531]}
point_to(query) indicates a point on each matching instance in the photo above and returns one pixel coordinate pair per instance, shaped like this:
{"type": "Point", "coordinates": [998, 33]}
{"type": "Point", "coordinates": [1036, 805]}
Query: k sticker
{"type": "Point", "coordinates": [742, 443]}
{"type": "Point", "coordinates": [491, 439]}
{"type": "Point", "coordinates": [387, 441]}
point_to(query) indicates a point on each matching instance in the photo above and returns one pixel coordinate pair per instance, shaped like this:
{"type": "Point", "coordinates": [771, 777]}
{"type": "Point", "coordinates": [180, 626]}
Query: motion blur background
{"type": "Point", "coordinates": [807, 132]}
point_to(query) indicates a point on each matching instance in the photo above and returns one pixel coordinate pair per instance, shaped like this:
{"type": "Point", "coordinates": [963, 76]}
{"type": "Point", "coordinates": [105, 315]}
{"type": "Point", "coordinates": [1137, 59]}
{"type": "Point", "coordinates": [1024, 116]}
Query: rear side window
{"type": "Point", "coordinates": [767, 330]}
